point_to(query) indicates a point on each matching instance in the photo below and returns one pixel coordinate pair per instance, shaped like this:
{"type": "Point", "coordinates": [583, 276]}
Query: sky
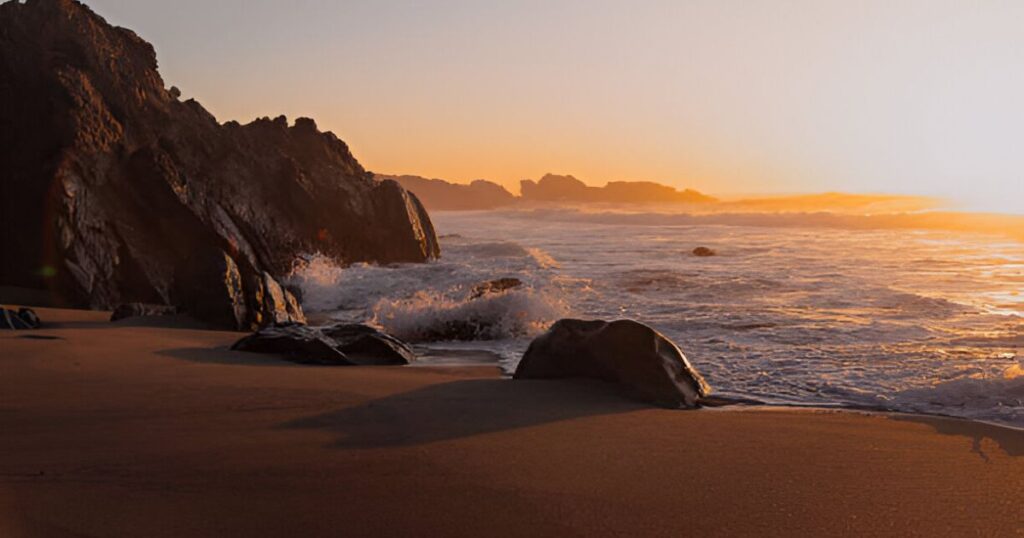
{"type": "Point", "coordinates": [728, 97]}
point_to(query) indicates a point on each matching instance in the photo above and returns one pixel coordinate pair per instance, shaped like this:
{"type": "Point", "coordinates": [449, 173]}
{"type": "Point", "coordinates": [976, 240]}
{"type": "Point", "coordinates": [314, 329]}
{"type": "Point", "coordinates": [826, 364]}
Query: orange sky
{"type": "Point", "coordinates": [910, 97]}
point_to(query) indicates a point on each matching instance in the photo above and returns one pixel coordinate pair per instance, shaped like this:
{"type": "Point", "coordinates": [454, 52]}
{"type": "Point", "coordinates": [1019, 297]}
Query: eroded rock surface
{"type": "Point", "coordinates": [339, 344]}
{"type": "Point", "coordinates": [121, 192]}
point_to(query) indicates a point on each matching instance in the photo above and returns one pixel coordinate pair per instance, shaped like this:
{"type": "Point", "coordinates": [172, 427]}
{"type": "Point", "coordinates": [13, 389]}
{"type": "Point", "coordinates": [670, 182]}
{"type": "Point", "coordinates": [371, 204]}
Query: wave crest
{"type": "Point", "coordinates": [431, 317]}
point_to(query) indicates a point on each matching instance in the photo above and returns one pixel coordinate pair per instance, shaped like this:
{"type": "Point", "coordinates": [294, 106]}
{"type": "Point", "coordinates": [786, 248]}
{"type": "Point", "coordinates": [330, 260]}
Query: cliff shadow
{"type": "Point", "coordinates": [465, 408]}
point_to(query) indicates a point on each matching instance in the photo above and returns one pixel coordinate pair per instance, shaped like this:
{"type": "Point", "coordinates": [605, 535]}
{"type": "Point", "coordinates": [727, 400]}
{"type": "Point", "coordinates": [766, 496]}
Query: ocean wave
{"type": "Point", "coordinates": [433, 317]}
{"type": "Point", "coordinates": [991, 397]}
{"type": "Point", "coordinates": [1007, 226]}
{"type": "Point", "coordinates": [435, 301]}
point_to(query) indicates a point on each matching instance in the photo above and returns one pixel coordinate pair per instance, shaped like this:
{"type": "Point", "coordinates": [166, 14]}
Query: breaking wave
{"type": "Point", "coordinates": [434, 302]}
{"type": "Point", "coordinates": [432, 317]}
{"type": "Point", "coordinates": [917, 321]}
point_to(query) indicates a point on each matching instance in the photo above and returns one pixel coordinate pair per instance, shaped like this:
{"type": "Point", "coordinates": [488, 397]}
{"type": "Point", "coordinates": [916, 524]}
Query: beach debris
{"type": "Point", "coordinates": [22, 319]}
{"type": "Point", "coordinates": [704, 252]}
{"type": "Point", "coordinates": [497, 285]}
{"type": "Point", "coordinates": [135, 310]}
{"type": "Point", "coordinates": [338, 345]}
{"type": "Point", "coordinates": [649, 366]}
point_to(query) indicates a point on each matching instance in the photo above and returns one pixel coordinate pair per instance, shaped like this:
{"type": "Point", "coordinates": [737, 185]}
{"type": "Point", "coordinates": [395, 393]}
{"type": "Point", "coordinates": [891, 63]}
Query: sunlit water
{"type": "Point", "coordinates": [912, 321]}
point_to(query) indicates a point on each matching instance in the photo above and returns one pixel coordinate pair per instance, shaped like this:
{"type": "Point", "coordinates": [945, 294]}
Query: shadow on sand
{"type": "Point", "coordinates": [178, 321]}
{"type": "Point", "coordinates": [223, 355]}
{"type": "Point", "coordinates": [465, 408]}
{"type": "Point", "coordinates": [1010, 440]}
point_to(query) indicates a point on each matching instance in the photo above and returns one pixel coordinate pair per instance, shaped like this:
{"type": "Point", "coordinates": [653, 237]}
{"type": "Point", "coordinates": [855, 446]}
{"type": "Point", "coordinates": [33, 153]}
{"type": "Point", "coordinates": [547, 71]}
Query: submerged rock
{"type": "Point", "coordinates": [134, 310]}
{"type": "Point", "coordinates": [703, 252]}
{"type": "Point", "coordinates": [495, 286]}
{"type": "Point", "coordinates": [23, 319]}
{"type": "Point", "coordinates": [340, 345]}
{"type": "Point", "coordinates": [122, 192]}
{"type": "Point", "coordinates": [643, 361]}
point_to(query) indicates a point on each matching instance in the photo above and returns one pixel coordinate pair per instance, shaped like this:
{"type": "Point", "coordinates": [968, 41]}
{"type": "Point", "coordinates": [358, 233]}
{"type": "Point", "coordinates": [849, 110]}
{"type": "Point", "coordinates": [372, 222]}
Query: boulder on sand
{"type": "Point", "coordinates": [703, 252]}
{"type": "Point", "coordinates": [640, 359]}
{"type": "Point", "coordinates": [24, 318]}
{"type": "Point", "coordinates": [366, 345]}
{"type": "Point", "coordinates": [339, 345]}
{"type": "Point", "coordinates": [135, 310]}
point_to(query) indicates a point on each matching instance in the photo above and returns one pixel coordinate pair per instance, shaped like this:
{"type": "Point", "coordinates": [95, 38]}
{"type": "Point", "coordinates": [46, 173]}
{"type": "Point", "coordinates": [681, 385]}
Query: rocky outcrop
{"type": "Point", "coordinates": [703, 252]}
{"type": "Point", "coordinates": [120, 192]}
{"type": "Point", "coordinates": [337, 345]}
{"type": "Point", "coordinates": [645, 363]}
{"type": "Point", "coordinates": [568, 189]}
{"type": "Point", "coordinates": [438, 194]}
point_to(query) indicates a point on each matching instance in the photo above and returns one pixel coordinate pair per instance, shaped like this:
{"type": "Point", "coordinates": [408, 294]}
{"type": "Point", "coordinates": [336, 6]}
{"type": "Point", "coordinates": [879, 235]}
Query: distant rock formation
{"type": "Point", "coordinates": [646, 364]}
{"type": "Point", "coordinates": [114, 191]}
{"type": "Point", "coordinates": [438, 194]}
{"type": "Point", "coordinates": [555, 188]}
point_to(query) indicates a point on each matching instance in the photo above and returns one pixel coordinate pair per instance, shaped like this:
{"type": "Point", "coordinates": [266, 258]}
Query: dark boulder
{"type": "Point", "coordinates": [494, 286]}
{"type": "Point", "coordinates": [136, 310]}
{"type": "Point", "coordinates": [363, 344]}
{"type": "Point", "coordinates": [644, 362]}
{"type": "Point", "coordinates": [338, 345]}
{"type": "Point", "coordinates": [23, 319]}
{"type": "Point", "coordinates": [703, 252]}
{"type": "Point", "coordinates": [297, 343]}
{"type": "Point", "coordinates": [121, 192]}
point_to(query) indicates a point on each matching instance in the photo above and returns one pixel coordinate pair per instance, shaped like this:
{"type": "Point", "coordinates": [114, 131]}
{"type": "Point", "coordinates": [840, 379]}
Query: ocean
{"type": "Point", "coordinates": [788, 312]}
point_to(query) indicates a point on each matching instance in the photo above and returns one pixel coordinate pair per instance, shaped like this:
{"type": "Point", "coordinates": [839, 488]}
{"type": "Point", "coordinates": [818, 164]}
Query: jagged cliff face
{"type": "Point", "coordinates": [113, 190]}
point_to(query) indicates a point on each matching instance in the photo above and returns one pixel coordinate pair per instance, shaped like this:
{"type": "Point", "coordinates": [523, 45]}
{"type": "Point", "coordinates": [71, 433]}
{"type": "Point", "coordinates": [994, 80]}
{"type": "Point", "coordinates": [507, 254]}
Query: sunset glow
{"type": "Point", "coordinates": [915, 97]}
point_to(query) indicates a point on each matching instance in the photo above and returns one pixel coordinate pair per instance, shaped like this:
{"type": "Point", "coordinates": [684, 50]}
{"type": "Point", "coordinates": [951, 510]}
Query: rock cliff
{"type": "Point", "coordinates": [114, 190]}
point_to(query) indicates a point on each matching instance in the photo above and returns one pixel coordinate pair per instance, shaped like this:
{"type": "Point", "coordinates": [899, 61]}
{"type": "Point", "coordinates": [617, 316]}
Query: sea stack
{"type": "Point", "coordinates": [113, 190]}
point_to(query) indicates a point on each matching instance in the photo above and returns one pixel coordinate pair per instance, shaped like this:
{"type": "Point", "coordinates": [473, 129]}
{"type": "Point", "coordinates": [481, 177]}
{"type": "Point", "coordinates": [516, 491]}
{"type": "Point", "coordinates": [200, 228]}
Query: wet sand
{"type": "Point", "coordinates": [144, 429]}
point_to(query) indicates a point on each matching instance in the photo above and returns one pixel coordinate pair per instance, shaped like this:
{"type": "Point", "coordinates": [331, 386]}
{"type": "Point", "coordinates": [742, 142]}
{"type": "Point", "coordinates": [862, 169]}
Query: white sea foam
{"type": "Point", "coordinates": [430, 316]}
{"type": "Point", "coordinates": [990, 397]}
{"type": "Point", "coordinates": [423, 302]}
{"type": "Point", "coordinates": [915, 321]}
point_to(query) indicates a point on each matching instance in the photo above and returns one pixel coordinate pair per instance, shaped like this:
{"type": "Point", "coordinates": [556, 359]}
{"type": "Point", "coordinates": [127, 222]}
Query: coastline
{"type": "Point", "coordinates": [155, 428]}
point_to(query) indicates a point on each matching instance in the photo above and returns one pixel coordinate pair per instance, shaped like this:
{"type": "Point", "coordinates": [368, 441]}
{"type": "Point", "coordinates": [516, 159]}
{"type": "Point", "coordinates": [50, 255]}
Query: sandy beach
{"type": "Point", "coordinates": [145, 429]}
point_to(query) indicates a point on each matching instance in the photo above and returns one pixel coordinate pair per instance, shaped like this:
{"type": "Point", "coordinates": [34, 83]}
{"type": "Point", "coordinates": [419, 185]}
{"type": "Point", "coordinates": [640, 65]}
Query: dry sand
{"type": "Point", "coordinates": [130, 430]}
